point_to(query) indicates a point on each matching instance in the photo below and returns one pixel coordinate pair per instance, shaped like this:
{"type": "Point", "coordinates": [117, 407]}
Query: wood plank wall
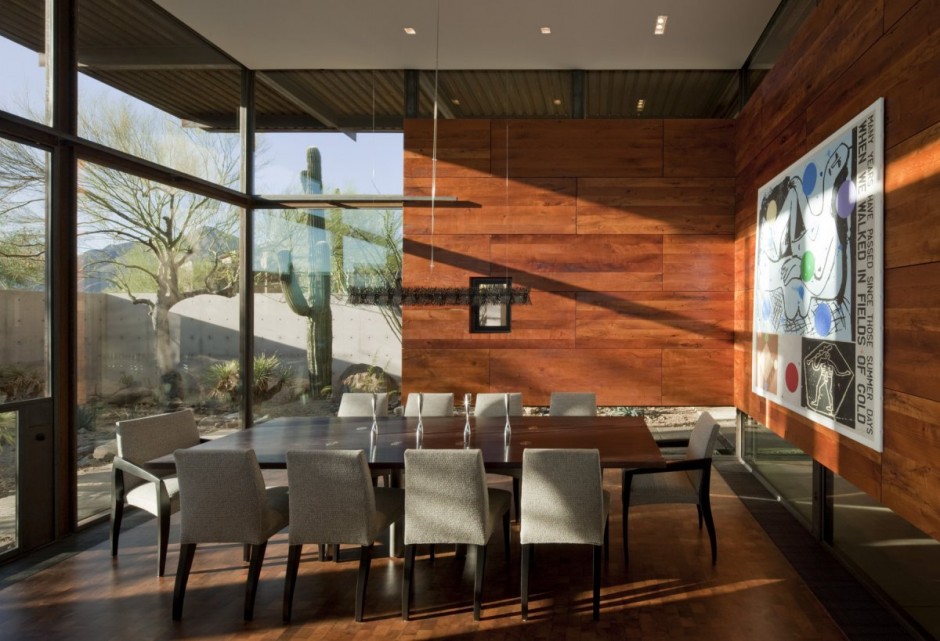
{"type": "Point", "coordinates": [846, 55]}
{"type": "Point", "coordinates": [624, 231]}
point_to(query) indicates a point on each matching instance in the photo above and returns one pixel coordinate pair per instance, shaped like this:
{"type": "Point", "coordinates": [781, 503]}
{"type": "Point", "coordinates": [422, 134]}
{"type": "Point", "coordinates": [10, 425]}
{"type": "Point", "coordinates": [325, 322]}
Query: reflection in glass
{"type": "Point", "coordinates": [786, 467]}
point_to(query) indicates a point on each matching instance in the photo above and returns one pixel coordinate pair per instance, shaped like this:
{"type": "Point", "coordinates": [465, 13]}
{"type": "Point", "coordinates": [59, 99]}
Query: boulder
{"type": "Point", "coordinates": [367, 378]}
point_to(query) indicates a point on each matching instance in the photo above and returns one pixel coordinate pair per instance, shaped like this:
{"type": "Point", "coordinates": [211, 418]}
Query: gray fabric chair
{"type": "Point", "coordinates": [447, 501]}
{"type": "Point", "coordinates": [223, 500]}
{"type": "Point", "coordinates": [138, 441]}
{"type": "Point", "coordinates": [360, 404]}
{"type": "Point", "coordinates": [351, 512]}
{"type": "Point", "coordinates": [682, 481]}
{"type": "Point", "coordinates": [493, 405]}
{"type": "Point", "coordinates": [573, 404]}
{"type": "Point", "coordinates": [563, 501]}
{"type": "Point", "coordinates": [431, 405]}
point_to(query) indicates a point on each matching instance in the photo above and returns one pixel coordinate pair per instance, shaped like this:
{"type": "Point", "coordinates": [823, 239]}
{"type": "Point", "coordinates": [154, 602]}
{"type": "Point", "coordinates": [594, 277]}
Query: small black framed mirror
{"type": "Point", "coordinates": [490, 309]}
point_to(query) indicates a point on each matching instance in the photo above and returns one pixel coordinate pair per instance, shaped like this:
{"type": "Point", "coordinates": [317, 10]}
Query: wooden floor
{"type": "Point", "coordinates": [670, 591]}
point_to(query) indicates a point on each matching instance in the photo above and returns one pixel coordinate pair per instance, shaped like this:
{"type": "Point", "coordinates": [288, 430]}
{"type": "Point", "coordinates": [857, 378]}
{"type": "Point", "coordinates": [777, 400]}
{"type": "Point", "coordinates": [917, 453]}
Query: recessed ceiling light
{"type": "Point", "coordinates": [545, 30]}
{"type": "Point", "coordinates": [410, 31]}
{"type": "Point", "coordinates": [660, 25]}
{"type": "Point", "coordinates": [556, 101]}
{"type": "Point", "coordinates": [456, 101]}
{"type": "Point", "coordinates": [640, 104]}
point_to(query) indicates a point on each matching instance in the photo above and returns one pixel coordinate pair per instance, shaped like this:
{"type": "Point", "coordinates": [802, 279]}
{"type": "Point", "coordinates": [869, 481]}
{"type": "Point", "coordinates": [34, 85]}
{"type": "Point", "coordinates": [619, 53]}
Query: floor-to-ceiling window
{"type": "Point", "coordinates": [24, 356]}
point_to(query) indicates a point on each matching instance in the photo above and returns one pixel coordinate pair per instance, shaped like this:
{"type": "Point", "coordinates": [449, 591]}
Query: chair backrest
{"type": "Point", "coordinates": [222, 497]}
{"type": "Point", "coordinates": [562, 496]}
{"type": "Point", "coordinates": [331, 497]}
{"type": "Point", "coordinates": [360, 404]}
{"type": "Point", "coordinates": [431, 405]}
{"type": "Point", "coordinates": [494, 404]}
{"type": "Point", "coordinates": [573, 404]}
{"type": "Point", "coordinates": [701, 443]}
{"type": "Point", "coordinates": [142, 439]}
{"type": "Point", "coordinates": [446, 500]}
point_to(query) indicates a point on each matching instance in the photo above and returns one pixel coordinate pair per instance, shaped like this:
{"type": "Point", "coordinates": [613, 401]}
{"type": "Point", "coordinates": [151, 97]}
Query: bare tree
{"type": "Point", "coordinates": [156, 243]}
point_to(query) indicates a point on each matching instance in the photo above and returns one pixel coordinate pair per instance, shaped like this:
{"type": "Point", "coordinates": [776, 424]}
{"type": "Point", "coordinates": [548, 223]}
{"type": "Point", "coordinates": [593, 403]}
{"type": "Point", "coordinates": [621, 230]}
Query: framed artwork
{"type": "Point", "coordinates": [818, 283]}
{"type": "Point", "coordinates": [490, 308]}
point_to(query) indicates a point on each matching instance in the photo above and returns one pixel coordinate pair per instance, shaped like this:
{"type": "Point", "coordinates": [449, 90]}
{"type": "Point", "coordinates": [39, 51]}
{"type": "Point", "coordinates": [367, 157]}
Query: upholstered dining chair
{"type": "Point", "coordinates": [138, 441]}
{"type": "Point", "coordinates": [573, 404]}
{"type": "Point", "coordinates": [563, 501]}
{"type": "Point", "coordinates": [223, 500]}
{"type": "Point", "coordinates": [434, 404]}
{"type": "Point", "coordinates": [360, 404]}
{"type": "Point", "coordinates": [493, 405]}
{"type": "Point", "coordinates": [352, 512]}
{"type": "Point", "coordinates": [447, 501]}
{"type": "Point", "coordinates": [682, 481]}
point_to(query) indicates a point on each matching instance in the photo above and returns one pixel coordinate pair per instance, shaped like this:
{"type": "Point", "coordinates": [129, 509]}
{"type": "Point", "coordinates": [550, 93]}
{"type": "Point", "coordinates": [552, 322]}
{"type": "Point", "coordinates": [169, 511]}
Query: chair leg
{"type": "Point", "coordinates": [117, 508]}
{"type": "Point", "coordinates": [163, 531]}
{"type": "Point", "coordinates": [406, 583]}
{"type": "Point", "coordinates": [336, 553]}
{"type": "Point", "coordinates": [506, 541]}
{"type": "Point", "coordinates": [625, 495]}
{"type": "Point", "coordinates": [478, 581]}
{"type": "Point", "coordinates": [431, 553]}
{"type": "Point", "coordinates": [365, 560]}
{"type": "Point", "coordinates": [517, 496]}
{"type": "Point", "coordinates": [254, 573]}
{"type": "Point", "coordinates": [187, 553]}
{"type": "Point", "coordinates": [290, 580]}
{"type": "Point", "coordinates": [246, 553]}
{"type": "Point", "coordinates": [699, 509]}
{"type": "Point", "coordinates": [524, 579]}
{"type": "Point", "coordinates": [607, 541]}
{"type": "Point", "coordinates": [710, 526]}
{"type": "Point", "coordinates": [597, 583]}
{"type": "Point", "coordinates": [321, 552]}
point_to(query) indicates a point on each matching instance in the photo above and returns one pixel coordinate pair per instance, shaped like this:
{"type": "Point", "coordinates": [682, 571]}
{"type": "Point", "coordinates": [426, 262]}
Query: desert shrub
{"type": "Point", "coordinates": [18, 382]}
{"type": "Point", "coordinates": [270, 376]}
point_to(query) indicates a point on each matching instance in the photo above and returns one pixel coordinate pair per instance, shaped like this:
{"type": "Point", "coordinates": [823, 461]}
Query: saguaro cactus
{"type": "Point", "coordinates": [314, 303]}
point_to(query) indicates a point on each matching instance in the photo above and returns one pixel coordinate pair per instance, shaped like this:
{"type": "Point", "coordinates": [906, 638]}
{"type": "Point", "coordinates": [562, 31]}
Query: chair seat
{"type": "Point", "coordinates": [277, 513]}
{"type": "Point", "coordinates": [665, 487]}
{"type": "Point", "coordinates": [499, 501]}
{"type": "Point", "coordinates": [389, 507]}
{"type": "Point", "coordinates": [145, 496]}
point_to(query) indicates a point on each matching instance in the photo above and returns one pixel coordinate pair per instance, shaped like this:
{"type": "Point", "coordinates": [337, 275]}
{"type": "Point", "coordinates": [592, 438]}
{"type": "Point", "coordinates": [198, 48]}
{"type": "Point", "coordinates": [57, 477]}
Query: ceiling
{"type": "Point", "coordinates": [347, 65]}
{"type": "Point", "coordinates": [479, 34]}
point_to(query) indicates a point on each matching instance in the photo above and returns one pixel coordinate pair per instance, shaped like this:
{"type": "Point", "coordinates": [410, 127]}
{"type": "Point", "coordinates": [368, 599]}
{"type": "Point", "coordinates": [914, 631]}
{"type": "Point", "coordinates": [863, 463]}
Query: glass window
{"type": "Point", "coordinates": [786, 467]}
{"type": "Point", "coordinates": [151, 88]}
{"type": "Point", "coordinates": [314, 343]}
{"type": "Point", "coordinates": [158, 312]}
{"type": "Point", "coordinates": [8, 498]}
{"type": "Point", "coordinates": [22, 50]}
{"type": "Point", "coordinates": [23, 353]}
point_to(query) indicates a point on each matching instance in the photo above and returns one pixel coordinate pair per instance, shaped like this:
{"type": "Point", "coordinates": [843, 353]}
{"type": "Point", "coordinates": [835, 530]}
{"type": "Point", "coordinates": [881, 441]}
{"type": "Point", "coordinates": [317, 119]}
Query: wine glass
{"type": "Point", "coordinates": [466, 425]}
{"type": "Point", "coordinates": [507, 431]}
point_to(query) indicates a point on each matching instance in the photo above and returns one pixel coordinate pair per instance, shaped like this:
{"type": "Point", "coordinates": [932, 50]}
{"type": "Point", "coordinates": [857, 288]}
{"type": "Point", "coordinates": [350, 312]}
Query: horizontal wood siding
{"type": "Point", "coordinates": [845, 56]}
{"type": "Point", "coordinates": [624, 232]}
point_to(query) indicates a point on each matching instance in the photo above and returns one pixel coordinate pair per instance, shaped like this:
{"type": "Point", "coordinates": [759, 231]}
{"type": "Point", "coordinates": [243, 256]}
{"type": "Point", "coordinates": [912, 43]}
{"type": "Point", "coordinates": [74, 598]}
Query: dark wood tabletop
{"type": "Point", "coordinates": [623, 441]}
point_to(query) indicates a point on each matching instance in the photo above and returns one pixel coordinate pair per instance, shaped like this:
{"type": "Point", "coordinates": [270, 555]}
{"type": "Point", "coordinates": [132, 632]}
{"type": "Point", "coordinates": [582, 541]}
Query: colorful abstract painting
{"type": "Point", "coordinates": [818, 282]}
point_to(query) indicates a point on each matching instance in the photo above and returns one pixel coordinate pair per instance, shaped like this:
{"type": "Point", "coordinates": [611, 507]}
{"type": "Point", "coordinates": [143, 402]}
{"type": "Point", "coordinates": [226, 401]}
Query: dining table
{"type": "Point", "coordinates": [623, 441]}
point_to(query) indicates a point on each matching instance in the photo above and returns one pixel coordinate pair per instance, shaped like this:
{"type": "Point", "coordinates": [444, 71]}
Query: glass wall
{"type": "Point", "coordinates": [8, 466]}
{"type": "Point", "coordinates": [901, 559]}
{"type": "Point", "coordinates": [310, 342]}
{"type": "Point", "coordinates": [151, 88]}
{"type": "Point", "coordinates": [22, 52]}
{"type": "Point", "coordinates": [158, 312]}
{"type": "Point", "coordinates": [786, 467]}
